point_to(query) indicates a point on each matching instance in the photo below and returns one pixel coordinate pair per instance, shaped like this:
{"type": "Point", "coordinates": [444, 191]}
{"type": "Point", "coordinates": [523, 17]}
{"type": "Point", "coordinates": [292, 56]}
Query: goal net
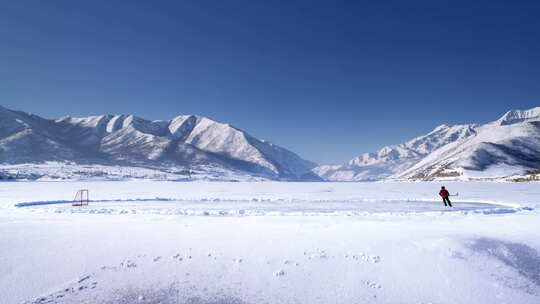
{"type": "Point", "coordinates": [81, 198]}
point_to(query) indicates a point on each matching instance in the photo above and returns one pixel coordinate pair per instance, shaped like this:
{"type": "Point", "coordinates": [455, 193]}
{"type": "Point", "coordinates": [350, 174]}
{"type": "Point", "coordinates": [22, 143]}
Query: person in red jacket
{"type": "Point", "coordinates": [445, 194]}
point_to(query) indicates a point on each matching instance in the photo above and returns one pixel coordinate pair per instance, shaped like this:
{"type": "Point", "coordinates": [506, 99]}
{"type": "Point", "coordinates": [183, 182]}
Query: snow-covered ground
{"type": "Point", "coordinates": [64, 171]}
{"type": "Point", "coordinates": [269, 242]}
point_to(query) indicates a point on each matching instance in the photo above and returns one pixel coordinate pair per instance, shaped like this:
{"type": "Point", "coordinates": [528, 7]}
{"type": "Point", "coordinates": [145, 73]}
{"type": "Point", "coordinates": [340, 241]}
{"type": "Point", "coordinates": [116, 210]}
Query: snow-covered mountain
{"type": "Point", "coordinates": [507, 146]}
{"type": "Point", "coordinates": [187, 141]}
{"type": "Point", "coordinates": [394, 159]}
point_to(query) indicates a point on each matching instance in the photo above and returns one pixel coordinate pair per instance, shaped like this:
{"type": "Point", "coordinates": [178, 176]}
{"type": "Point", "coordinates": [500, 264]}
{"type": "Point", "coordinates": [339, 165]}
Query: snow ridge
{"type": "Point", "coordinates": [184, 142]}
{"type": "Point", "coordinates": [508, 146]}
{"type": "Point", "coordinates": [393, 159]}
{"type": "Point", "coordinates": [515, 116]}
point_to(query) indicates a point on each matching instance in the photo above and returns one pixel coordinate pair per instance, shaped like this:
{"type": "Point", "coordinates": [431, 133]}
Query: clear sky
{"type": "Point", "coordinates": [326, 79]}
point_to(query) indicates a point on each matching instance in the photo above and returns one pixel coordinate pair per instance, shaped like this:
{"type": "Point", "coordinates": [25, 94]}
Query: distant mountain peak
{"type": "Point", "coordinates": [440, 127]}
{"type": "Point", "coordinates": [185, 141]}
{"type": "Point", "coordinates": [513, 141]}
{"type": "Point", "coordinates": [515, 116]}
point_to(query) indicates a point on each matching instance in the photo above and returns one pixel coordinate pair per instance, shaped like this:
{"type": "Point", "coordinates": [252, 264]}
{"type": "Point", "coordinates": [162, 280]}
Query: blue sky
{"type": "Point", "coordinates": [326, 79]}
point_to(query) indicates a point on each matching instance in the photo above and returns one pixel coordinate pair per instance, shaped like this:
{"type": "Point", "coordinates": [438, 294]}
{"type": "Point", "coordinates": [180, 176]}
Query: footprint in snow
{"type": "Point", "coordinates": [375, 259]}
{"type": "Point", "coordinates": [278, 273]}
{"type": "Point", "coordinates": [366, 258]}
{"type": "Point", "coordinates": [372, 285]}
{"type": "Point", "coordinates": [83, 279]}
{"type": "Point", "coordinates": [128, 264]}
{"type": "Point", "coordinates": [64, 292]}
{"type": "Point", "coordinates": [320, 255]}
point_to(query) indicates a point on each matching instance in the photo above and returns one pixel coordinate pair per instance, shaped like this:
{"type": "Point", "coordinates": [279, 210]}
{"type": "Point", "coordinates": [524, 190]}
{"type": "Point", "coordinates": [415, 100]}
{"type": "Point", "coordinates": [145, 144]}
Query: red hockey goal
{"type": "Point", "coordinates": [81, 198]}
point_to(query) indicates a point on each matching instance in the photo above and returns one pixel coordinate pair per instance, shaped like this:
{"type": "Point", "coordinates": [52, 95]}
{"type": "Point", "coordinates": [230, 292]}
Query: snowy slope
{"type": "Point", "coordinates": [25, 138]}
{"type": "Point", "coordinates": [393, 159]}
{"type": "Point", "coordinates": [507, 146]}
{"type": "Point", "coordinates": [187, 141]}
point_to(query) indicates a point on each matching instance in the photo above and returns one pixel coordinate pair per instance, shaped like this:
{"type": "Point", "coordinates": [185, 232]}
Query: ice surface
{"type": "Point", "coordinates": [218, 207]}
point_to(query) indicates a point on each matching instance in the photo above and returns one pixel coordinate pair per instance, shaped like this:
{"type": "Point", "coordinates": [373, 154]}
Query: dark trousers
{"type": "Point", "coordinates": [446, 201]}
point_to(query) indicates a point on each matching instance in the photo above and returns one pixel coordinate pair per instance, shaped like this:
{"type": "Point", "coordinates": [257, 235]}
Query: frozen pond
{"type": "Point", "coordinates": [266, 207]}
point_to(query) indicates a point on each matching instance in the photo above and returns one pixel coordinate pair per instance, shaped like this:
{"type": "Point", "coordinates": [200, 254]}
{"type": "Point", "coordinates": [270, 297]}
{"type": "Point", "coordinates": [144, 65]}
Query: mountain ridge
{"type": "Point", "coordinates": [438, 153]}
{"type": "Point", "coordinates": [185, 140]}
{"type": "Point", "coordinates": [507, 146]}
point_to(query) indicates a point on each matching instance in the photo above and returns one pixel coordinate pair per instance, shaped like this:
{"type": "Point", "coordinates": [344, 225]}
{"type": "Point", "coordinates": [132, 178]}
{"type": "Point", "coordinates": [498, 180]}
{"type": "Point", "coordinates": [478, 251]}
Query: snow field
{"type": "Point", "coordinates": [377, 256]}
